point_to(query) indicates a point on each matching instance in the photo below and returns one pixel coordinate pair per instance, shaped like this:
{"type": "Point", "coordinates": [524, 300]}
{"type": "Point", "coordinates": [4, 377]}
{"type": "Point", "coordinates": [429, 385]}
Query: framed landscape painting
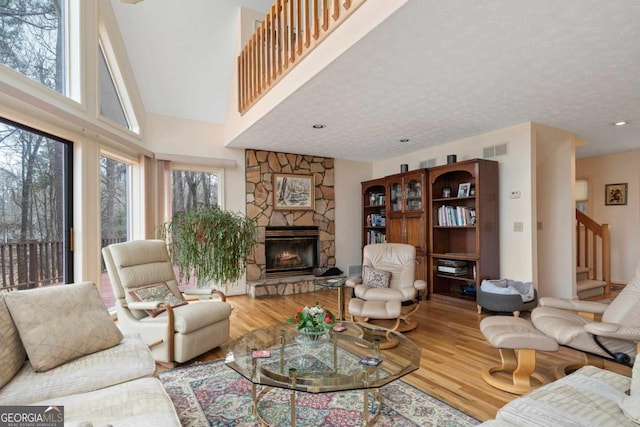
{"type": "Point", "coordinates": [291, 192]}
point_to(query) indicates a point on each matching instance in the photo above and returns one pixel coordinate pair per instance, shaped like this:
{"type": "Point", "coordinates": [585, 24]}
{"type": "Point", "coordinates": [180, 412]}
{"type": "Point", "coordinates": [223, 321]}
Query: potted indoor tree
{"type": "Point", "coordinates": [211, 244]}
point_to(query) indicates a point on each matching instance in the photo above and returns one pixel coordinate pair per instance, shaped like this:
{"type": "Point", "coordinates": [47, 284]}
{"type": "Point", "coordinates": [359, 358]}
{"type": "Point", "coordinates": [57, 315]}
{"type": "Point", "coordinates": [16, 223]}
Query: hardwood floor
{"type": "Point", "coordinates": [453, 349]}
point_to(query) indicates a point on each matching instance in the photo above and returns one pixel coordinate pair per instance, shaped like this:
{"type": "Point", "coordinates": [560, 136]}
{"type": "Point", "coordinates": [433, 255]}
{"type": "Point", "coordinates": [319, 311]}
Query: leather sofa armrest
{"type": "Point", "coordinates": [614, 330]}
{"type": "Point", "coordinates": [353, 282]}
{"type": "Point", "coordinates": [420, 285]}
{"type": "Point", "coordinates": [573, 304]}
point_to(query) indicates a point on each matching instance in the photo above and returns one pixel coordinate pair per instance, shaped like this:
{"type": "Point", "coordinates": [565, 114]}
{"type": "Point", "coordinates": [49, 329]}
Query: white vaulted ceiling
{"type": "Point", "coordinates": [434, 72]}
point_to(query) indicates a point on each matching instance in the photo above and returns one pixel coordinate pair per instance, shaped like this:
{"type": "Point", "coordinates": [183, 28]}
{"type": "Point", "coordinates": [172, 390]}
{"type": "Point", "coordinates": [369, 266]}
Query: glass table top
{"type": "Point", "coordinates": [330, 282]}
{"type": "Point", "coordinates": [339, 361]}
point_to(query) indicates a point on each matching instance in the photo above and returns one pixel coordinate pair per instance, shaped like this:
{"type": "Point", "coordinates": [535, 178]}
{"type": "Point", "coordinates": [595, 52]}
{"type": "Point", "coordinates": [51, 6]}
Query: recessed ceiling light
{"type": "Point", "coordinates": [620, 123]}
{"type": "Point", "coordinates": [404, 140]}
{"type": "Point", "coordinates": [319, 126]}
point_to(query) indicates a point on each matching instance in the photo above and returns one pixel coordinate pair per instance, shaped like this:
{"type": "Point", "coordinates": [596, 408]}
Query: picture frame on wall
{"type": "Point", "coordinates": [615, 194]}
{"type": "Point", "coordinates": [293, 192]}
{"type": "Point", "coordinates": [463, 189]}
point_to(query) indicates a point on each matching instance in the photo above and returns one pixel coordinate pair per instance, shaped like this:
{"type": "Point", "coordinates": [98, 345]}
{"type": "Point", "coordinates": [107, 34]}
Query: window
{"type": "Point", "coordinates": [115, 208]}
{"type": "Point", "coordinates": [35, 208]}
{"type": "Point", "coordinates": [110, 102]}
{"type": "Point", "coordinates": [191, 189]}
{"type": "Point", "coordinates": [33, 40]}
{"type": "Point", "coordinates": [582, 195]}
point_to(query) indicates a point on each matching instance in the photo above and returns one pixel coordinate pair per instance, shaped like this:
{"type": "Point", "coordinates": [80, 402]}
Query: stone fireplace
{"type": "Point", "coordinates": [290, 251]}
{"type": "Point", "coordinates": [260, 169]}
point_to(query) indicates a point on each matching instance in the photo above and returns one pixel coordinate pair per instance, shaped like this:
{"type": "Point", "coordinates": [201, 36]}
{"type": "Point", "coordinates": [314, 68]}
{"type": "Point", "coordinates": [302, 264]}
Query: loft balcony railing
{"type": "Point", "coordinates": [291, 30]}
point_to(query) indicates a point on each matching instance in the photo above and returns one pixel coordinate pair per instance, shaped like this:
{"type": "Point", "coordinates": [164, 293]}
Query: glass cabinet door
{"type": "Point", "coordinates": [395, 194]}
{"type": "Point", "coordinates": [413, 193]}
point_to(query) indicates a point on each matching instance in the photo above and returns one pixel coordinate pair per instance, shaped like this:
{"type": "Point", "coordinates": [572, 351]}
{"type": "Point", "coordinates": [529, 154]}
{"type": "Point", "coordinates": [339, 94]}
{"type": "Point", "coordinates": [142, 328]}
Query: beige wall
{"type": "Point", "coordinates": [554, 212]}
{"type": "Point", "coordinates": [624, 220]}
{"type": "Point", "coordinates": [348, 191]}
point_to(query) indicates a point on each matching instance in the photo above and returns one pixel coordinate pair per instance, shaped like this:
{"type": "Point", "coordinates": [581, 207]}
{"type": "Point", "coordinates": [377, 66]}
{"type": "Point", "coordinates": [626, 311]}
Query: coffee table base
{"type": "Point", "coordinates": [367, 418]}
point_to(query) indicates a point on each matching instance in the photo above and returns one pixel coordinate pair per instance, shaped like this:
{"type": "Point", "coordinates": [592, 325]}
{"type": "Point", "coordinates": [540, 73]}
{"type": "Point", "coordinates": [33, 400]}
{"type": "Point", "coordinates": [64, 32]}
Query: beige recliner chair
{"type": "Point", "coordinates": [175, 330]}
{"type": "Point", "coordinates": [387, 289]}
{"type": "Point", "coordinates": [609, 331]}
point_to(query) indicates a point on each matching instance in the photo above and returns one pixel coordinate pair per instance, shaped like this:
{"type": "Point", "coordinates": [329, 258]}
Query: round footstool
{"type": "Point", "coordinates": [361, 311]}
{"type": "Point", "coordinates": [510, 335]}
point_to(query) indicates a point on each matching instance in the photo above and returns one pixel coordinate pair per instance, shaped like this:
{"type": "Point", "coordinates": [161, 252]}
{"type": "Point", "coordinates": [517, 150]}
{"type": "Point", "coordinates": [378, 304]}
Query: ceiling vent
{"type": "Point", "coordinates": [495, 151]}
{"type": "Point", "coordinates": [428, 163]}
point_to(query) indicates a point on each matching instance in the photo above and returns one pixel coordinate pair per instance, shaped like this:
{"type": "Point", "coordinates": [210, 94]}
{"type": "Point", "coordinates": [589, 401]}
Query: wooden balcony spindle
{"type": "Point", "coordinates": [292, 31]}
{"type": "Point", "coordinates": [285, 31]}
{"type": "Point", "coordinates": [279, 31]}
{"type": "Point", "coordinates": [325, 15]}
{"type": "Point", "coordinates": [316, 20]}
{"type": "Point", "coordinates": [336, 10]}
{"type": "Point", "coordinates": [307, 24]}
{"type": "Point", "coordinates": [299, 28]}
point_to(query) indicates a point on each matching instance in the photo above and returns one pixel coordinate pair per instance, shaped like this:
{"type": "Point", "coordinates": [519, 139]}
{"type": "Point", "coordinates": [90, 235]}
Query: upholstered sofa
{"type": "Point", "coordinates": [588, 397]}
{"type": "Point", "coordinates": [60, 348]}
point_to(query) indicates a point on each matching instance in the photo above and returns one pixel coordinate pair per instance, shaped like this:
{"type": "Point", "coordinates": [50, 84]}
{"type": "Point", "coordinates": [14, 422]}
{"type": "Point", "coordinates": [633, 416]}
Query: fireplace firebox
{"type": "Point", "coordinates": [291, 251]}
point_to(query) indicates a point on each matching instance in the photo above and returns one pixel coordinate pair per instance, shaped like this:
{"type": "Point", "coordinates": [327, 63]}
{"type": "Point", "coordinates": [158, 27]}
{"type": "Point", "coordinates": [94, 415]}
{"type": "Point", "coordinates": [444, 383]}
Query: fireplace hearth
{"type": "Point", "coordinates": [291, 251]}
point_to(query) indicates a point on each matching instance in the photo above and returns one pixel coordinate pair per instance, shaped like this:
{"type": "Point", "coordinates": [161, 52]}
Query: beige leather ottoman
{"type": "Point", "coordinates": [511, 335]}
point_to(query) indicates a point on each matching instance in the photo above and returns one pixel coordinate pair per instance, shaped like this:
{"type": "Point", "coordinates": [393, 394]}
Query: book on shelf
{"type": "Point", "coordinates": [378, 220]}
{"type": "Point", "coordinates": [454, 216]}
{"type": "Point", "coordinates": [374, 236]}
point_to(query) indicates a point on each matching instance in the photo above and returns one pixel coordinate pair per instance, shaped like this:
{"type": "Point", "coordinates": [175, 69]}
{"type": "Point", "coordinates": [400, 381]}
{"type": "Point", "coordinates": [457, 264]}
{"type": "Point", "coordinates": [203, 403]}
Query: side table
{"type": "Point", "coordinates": [334, 283]}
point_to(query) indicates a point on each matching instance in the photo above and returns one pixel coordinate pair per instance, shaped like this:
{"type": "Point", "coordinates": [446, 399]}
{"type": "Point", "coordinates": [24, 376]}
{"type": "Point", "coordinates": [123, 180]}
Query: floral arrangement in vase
{"type": "Point", "coordinates": [314, 318]}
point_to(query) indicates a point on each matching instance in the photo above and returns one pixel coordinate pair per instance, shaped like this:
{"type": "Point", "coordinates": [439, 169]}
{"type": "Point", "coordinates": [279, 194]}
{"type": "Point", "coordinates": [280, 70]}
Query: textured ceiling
{"type": "Point", "coordinates": [441, 70]}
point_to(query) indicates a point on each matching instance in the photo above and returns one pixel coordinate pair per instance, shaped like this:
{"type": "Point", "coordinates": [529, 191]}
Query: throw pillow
{"type": "Point", "coordinates": [157, 292]}
{"type": "Point", "coordinates": [12, 352]}
{"type": "Point", "coordinates": [61, 323]}
{"type": "Point", "coordinates": [375, 278]}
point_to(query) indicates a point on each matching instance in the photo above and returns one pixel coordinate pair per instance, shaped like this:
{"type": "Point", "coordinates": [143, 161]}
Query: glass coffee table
{"type": "Point", "coordinates": [275, 358]}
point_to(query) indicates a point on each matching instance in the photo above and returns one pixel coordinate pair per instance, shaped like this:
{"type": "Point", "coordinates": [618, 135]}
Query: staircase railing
{"type": "Point", "coordinates": [291, 30]}
{"type": "Point", "coordinates": [590, 250]}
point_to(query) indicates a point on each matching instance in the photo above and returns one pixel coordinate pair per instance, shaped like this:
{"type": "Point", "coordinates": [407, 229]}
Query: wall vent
{"type": "Point", "coordinates": [355, 271]}
{"type": "Point", "coordinates": [495, 151]}
{"type": "Point", "coordinates": [428, 163]}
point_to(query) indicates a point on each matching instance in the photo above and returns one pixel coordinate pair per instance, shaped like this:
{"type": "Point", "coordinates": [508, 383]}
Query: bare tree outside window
{"type": "Point", "coordinates": [114, 213]}
{"type": "Point", "coordinates": [32, 40]}
{"type": "Point", "coordinates": [32, 190]}
{"type": "Point", "coordinates": [193, 189]}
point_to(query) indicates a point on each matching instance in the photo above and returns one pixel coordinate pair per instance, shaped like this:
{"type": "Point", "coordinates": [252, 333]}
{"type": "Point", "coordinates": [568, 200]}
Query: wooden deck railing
{"type": "Point", "coordinates": [590, 250]}
{"type": "Point", "coordinates": [288, 32]}
{"type": "Point", "coordinates": [33, 264]}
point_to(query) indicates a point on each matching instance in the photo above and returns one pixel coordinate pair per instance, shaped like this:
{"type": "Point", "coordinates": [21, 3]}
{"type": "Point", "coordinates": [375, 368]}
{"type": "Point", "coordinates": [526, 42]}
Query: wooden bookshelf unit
{"type": "Point", "coordinates": [464, 227]}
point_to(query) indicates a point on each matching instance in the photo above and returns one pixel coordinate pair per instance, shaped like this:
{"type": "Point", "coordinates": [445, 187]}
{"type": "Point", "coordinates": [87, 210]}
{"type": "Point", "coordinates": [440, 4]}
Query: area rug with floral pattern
{"type": "Point", "coordinates": [213, 394]}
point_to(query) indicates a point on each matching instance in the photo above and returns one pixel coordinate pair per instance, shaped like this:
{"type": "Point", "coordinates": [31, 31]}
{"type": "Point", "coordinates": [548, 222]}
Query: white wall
{"type": "Point", "coordinates": [624, 220]}
{"type": "Point", "coordinates": [348, 193]}
{"type": "Point", "coordinates": [515, 171]}
{"type": "Point", "coordinates": [555, 212]}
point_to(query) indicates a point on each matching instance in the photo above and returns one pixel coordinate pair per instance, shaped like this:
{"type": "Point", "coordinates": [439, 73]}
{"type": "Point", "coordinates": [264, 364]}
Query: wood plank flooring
{"type": "Point", "coordinates": [453, 349]}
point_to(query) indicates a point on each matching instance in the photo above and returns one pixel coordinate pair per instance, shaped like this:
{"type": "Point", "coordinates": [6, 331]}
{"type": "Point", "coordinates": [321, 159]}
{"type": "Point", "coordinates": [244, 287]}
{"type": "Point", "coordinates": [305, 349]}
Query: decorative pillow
{"type": "Point", "coordinates": [12, 351]}
{"type": "Point", "coordinates": [61, 323]}
{"type": "Point", "coordinates": [375, 278]}
{"type": "Point", "coordinates": [157, 292]}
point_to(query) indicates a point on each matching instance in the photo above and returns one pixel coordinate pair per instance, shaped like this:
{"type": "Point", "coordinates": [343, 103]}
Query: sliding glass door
{"type": "Point", "coordinates": [36, 215]}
